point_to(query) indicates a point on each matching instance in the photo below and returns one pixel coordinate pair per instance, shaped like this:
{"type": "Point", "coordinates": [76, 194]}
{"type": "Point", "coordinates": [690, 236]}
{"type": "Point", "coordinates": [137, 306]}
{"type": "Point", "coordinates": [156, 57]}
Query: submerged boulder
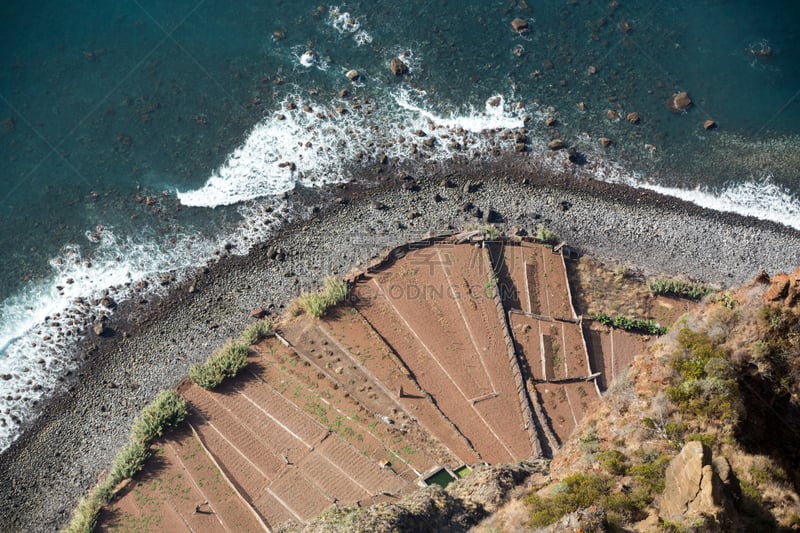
{"type": "Point", "coordinates": [679, 102]}
{"type": "Point", "coordinates": [519, 25]}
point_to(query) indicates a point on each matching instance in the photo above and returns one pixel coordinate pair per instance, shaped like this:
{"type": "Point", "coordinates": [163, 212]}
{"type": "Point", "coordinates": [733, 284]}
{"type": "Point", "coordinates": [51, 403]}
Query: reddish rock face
{"type": "Point", "coordinates": [679, 102]}
{"type": "Point", "coordinates": [778, 288]}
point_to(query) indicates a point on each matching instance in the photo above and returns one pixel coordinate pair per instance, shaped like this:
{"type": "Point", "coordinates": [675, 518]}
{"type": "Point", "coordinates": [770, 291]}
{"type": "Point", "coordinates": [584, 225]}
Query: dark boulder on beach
{"type": "Point", "coordinates": [102, 327]}
{"type": "Point", "coordinates": [258, 312]}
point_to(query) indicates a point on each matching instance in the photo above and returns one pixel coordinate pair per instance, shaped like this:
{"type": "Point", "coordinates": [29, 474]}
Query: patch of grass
{"type": "Point", "coordinates": [490, 232]}
{"type": "Point", "coordinates": [727, 300]}
{"type": "Point", "coordinates": [589, 442]}
{"type": "Point", "coordinates": [257, 331]}
{"type": "Point", "coordinates": [679, 288]}
{"type": "Point", "coordinates": [649, 475]}
{"type": "Point", "coordinates": [579, 491]}
{"type": "Point", "coordinates": [84, 517]}
{"type": "Point", "coordinates": [225, 363]}
{"type": "Point", "coordinates": [705, 438]}
{"type": "Point", "coordinates": [545, 236]}
{"type": "Point", "coordinates": [317, 304]}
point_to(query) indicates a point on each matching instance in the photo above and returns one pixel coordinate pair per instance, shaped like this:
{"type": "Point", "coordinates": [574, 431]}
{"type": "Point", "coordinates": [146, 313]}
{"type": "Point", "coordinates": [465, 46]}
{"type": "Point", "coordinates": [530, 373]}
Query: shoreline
{"type": "Point", "coordinates": [60, 457]}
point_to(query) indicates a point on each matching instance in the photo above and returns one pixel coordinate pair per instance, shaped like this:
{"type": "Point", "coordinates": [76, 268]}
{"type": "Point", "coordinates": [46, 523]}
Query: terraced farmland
{"type": "Point", "coordinates": [446, 354]}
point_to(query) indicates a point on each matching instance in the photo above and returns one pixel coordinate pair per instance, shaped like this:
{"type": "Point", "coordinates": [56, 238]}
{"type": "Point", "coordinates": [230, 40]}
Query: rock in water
{"type": "Point", "coordinates": [556, 144]}
{"type": "Point", "coordinates": [352, 75]}
{"type": "Point", "coordinates": [634, 118]}
{"type": "Point", "coordinates": [709, 125]}
{"type": "Point", "coordinates": [519, 25]}
{"type": "Point", "coordinates": [397, 67]}
{"type": "Point", "coordinates": [679, 102]}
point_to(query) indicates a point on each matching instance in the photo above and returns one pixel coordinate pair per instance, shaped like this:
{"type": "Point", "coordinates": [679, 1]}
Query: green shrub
{"type": "Point", "coordinates": [84, 517]}
{"type": "Point", "coordinates": [225, 363]}
{"type": "Point", "coordinates": [674, 432]}
{"type": "Point", "coordinates": [206, 376]}
{"type": "Point", "coordinates": [727, 299]}
{"type": "Point", "coordinates": [257, 331]}
{"type": "Point", "coordinates": [705, 438]}
{"type": "Point", "coordinates": [167, 410]}
{"type": "Point", "coordinates": [574, 492]}
{"type": "Point", "coordinates": [545, 235]}
{"type": "Point", "coordinates": [614, 461]}
{"type": "Point", "coordinates": [231, 359]}
{"type": "Point", "coordinates": [650, 327]}
{"type": "Point", "coordinates": [317, 304]}
{"type": "Point", "coordinates": [603, 318]}
{"type": "Point", "coordinates": [129, 461]}
{"type": "Point", "coordinates": [589, 442]}
{"type": "Point", "coordinates": [668, 526]}
{"type": "Point", "coordinates": [679, 288]}
{"type": "Point", "coordinates": [579, 491]}
{"type": "Point", "coordinates": [649, 475]}
{"type": "Point", "coordinates": [706, 384]}
{"type": "Point", "coordinates": [763, 470]}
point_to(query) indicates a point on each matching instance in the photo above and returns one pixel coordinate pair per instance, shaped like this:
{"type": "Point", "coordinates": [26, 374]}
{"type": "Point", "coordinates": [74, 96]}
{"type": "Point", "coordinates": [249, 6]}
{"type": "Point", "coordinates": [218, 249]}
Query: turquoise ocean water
{"type": "Point", "coordinates": [138, 135]}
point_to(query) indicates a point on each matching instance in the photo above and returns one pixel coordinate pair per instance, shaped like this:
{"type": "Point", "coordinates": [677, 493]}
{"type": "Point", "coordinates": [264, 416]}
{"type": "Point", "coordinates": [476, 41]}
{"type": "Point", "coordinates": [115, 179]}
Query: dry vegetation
{"type": "Point", "coordinates": [728, 376]}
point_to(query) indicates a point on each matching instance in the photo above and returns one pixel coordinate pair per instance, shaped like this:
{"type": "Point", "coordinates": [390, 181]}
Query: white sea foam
{"type": "Point", "coordinates": [315, 143]}
{"type": "Point", "coordinates": [759, 199]}
{"type": "Point", "coordinates": [40, 324]}
{"type": "Point", "coordinates": [342, 21]}
{"type": "Point", "coordinates": [495, 115]}
{"type": "Point", "coordinates": [307, 58]}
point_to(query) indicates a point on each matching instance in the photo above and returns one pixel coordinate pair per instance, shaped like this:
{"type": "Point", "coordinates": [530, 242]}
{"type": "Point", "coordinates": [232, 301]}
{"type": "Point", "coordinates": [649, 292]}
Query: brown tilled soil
{"type": "Point", "coordinates": [436, 309]}
{"type": "Point", "coordinates": [412, 373]}
{"type": "Point", "coordinates": [179, 479]}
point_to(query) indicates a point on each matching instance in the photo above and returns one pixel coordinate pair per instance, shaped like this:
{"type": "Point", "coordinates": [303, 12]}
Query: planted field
{"type": "Point", "coordinates": [436, 309]}
{"type": "Point", "coordinates": [356, 336]}
{"type": "Point", "coordinates": [426, 367]}
{"type": "Point", "coordinates": [175, 482]}
{"type": "Point", "coordinates": [611, 350]}
{"type": "Point", "coordinates": [403, 443]}
{"type": "Point", "coordinates": [547, 283]}
{"type": "Point", "coordinates": [553, 350]}
{"type": "Point", "coordinates": [565, 404]}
